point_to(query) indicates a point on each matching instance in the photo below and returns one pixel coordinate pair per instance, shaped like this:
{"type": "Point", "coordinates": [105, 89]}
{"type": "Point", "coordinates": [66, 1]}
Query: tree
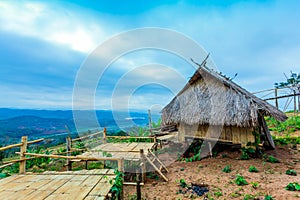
{"type": "Point", "coordinates": [292, 82]}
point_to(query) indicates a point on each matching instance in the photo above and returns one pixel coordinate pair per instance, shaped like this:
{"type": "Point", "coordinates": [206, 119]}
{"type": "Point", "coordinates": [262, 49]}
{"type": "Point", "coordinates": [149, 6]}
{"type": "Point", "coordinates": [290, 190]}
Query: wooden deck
{"type": "Point", "coordinates": [84, 184]}
{"type": "Point", "coordinates": [126, 151]}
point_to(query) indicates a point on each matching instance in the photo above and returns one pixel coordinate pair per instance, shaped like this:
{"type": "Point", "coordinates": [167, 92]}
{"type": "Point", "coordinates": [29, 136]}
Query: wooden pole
{"type": "Point", "coordinates": [138, 185]}
{"type": "Point", "coordinates": [143, 160]}
{"type": "Point", "coordinates": [68, 148]}
{"type": "Point", "coordinates": [295, 102]}
{"type": "Point", "coordinates": [104, 135]}
{"type": "Point", "coordinates": [23, 150]}
{"type": "Point", "coordinates": [276, 100]}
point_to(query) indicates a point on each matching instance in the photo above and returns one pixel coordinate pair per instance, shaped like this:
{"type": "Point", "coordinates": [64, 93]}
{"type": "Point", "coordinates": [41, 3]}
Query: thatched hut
{"type": "Point", "coordinates": [211, 106]}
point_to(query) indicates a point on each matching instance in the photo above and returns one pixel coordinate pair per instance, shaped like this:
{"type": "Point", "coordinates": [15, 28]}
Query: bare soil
{"type": "Point", "coordinates": [271, 177]}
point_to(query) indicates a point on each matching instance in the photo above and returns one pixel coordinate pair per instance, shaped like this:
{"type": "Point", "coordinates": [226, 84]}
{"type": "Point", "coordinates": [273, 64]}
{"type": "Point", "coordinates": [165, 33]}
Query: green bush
{"type": "Point", "coordinates": [227, 169]}
{"type": "Point", "coordinates": [272, 159]}
{"type": "Point", "coordinates": [293, 187]}
{"type": "Point", "coordinates": [269, 197]}
{"type": "Point", "coordinates": [291, 172]}
{"type": "Point", "coordinates": [240, 180]}
{"type": "Point", "coordinates": [252, 169]}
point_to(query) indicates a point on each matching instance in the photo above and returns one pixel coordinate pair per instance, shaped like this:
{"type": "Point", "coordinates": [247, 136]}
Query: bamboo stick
{"type": "Point", "coordinates": [86, 136]}
{"type": "Point", "coordinates": [18, 160]}
{"type": "Point", "coordinates": [71, 157]}
{"type": "Point", "coordinates": [20, 144]}
{"type": "Point", "coordinates": [6, 165]}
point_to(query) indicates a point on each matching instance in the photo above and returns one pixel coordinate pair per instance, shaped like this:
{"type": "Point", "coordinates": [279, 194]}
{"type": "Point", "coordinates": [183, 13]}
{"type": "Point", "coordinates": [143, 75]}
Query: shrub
{"type": "Point", "coordinates": [272, 159]}
{"type": "Point", "coordinates": [254, 184]}
{"type": "Point", "coordinates": [227, 169]}
{"type": "Point", "coordinates": [218, 194]}
{"type": "Point", "coordinates": [252, 169]}
{"type": "Point", "coordinates": [240, 180]}
{"type": "Point", "coordinates": [291, 172]}
{"type": "Point", "coordinates": [269, 197]}
{"type": "Point", "coordinates": [293, 187]}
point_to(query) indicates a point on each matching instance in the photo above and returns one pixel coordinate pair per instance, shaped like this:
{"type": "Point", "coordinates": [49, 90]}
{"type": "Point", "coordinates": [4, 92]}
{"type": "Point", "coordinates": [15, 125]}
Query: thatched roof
{"type": "Point", "coordinates": [210, 98]}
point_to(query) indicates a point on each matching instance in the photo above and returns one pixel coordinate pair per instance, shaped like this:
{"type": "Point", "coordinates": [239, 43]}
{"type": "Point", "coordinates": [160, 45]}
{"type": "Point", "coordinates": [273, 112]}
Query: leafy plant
{"type": "Point", "coordinates": [252, 169]}
{"type": "Point", "coordinates": [293, 186]}
{"type": "Point", "coordinates": [249, 197]}
{"type": "Point", "coordinates": [254, 184]}
{"type": "Point", "coordinates": [269, 197]}
{"type": "Point", "coordinates": [183, 184]}
{"type": "Point", "coordinates": [227, 169]}
{"type": "Point", "coordinates": [218, 194]}
{"type": "Point", "coordinates": [291, 172]}
{"type": "Point", "coordinates": [240, 180]}
{"type": "Point", "coordinates": [117, 182]}
{"type": "Point", "coordinates": [272, 159]}
{"type": "Point", "coordinates": [246, 152]}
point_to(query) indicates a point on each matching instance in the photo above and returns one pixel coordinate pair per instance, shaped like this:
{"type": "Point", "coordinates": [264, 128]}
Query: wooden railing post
{"type": "Point", "coordinates": [104, 135]}
{"type": "Point", "coordinates": [143, 160]}
{"type": "Point", "coordinates": [23, 150]}
{"type": "Point", "coordinates": [68, 149]}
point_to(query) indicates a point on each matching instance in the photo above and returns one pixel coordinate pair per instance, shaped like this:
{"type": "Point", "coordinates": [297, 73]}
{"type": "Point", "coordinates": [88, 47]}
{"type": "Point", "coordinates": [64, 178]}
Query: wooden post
{"type": "Point", "coordinates": [104, 135]}
{"type": "Point", "coordinates": [210, 149]}
{"type": "Point", "coordinates": [68, 149]}
{"type": "Point", "coordinates": [295, 102]}
{"type": "Point", "coordinates": [23, 150]}
{"type": "Point", "coordinates": [150, 122]}
{"type": "Point", "coordinates": [138, 185]}
{"type": "Point", "coordinates": [121, 169]}
{"type": "Point", "coordinates": [276, 100]}
{"type": "Point", "coordinates": [299, 100]}
{"type": "Point", "coordinates": [143, 160]}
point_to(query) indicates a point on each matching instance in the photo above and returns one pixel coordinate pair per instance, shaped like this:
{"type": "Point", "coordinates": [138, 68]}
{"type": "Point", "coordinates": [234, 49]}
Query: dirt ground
{"type": "Point", "coordinates": [271, 177]}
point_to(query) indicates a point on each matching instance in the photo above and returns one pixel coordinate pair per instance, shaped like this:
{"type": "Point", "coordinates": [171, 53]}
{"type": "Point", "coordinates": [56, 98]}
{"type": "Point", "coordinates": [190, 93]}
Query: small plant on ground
{"type": "Point", "coordinates": [249, 197]}
{"type": "Point", "coordinates": [291, 172]}
{"type": "Point", "coordinates": [272, 159]}
{"type": "Point", "coordinates": [227, 169]}
{"type": "Point", "coordinates": [252, 169]}
{"type": "Point", "coordinates": [117, 183]}
{"type": "Point", "coordinates": [183, 184]}
{"type": "Point", "coordinates": [218, 194]}
{"type": "Point", "coordinates": [269, 197]}
{"type": "Point", "coordinates": [254, 185]}
{"type": "Point", "coordinates": [293, 186]}
{"type": "Point", "coordinates": [240, 180]}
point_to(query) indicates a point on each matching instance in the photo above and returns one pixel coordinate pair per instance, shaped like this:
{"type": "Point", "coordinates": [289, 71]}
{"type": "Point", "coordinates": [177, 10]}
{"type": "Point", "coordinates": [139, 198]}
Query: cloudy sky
{"type": "Point", "coordinates": [45, 44]}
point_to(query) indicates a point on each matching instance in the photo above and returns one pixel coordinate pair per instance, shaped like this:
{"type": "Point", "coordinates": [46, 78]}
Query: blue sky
{"type": "Point", "coordinates": [44, 43]}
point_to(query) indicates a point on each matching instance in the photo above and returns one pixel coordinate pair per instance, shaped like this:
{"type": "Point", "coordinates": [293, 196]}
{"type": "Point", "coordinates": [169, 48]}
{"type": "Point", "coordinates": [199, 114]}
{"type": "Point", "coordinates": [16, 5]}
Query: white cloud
{"type": "Point", "coordinates": [53, 23]}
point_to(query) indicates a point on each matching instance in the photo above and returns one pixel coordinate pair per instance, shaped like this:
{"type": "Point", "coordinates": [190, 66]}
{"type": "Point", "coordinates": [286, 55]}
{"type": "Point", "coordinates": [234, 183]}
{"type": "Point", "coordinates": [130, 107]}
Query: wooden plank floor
{"type": "Point", "coordinates": [127, 151]}
{"type": "Point", "coordinates": [84, 184]}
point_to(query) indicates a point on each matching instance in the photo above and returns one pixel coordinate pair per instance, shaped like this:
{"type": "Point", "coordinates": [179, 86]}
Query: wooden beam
{"type": "Point", "coordinates": [20, 144]}
{"type": "Point", "coordinates": [280, 97]}
{"type": "Point", "coordinates": [6, 165]}
{"type": "Point", "coordinates": [86, 136]}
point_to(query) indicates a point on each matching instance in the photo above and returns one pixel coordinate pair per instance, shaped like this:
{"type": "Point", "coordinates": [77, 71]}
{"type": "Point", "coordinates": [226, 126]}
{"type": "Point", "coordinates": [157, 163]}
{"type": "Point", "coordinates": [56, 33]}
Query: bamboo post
{"type": "Point", "coordinates": [276, 100]}
{"type": "Point", "coordinates": [143, 165]}
{"type": "Point", "coordinates": [68, 148]}
{"type": "Point", "coordinates": [138, 185]}
{"type": "Point", "coordinates": [210, 149]}
{"type": "Point", "coordinates": [104, 135]}
{"type": "Point", "coordinates": [23, 150]}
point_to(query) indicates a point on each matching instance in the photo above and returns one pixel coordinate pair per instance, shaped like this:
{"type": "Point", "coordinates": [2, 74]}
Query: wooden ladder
{"type": "Point", "coordinates": [156, 164]}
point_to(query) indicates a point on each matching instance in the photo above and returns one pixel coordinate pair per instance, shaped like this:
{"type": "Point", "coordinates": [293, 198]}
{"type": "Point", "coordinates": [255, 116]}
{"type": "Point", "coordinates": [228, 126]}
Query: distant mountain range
{"type": "Point", "coordinates": [15, 123]}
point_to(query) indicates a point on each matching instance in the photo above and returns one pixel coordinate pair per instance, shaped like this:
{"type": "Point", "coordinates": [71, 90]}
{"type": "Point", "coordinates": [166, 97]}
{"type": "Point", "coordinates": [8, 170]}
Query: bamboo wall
{"type": "Point", "coordinates": [232, 134]}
